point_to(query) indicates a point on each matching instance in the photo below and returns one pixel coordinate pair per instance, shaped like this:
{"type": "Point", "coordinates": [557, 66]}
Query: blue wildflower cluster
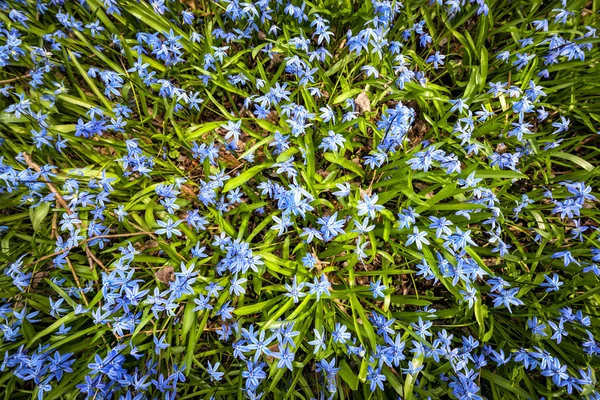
{"type": "Point", "coordinates": [286, 199]}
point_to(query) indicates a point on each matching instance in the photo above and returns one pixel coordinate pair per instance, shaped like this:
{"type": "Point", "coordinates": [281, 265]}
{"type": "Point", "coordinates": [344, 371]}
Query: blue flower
{"type": "Point", "coordinates": [215, 374]}
{"type": "Point", "coordinates": [159, 344]}
{"type": "Point", "coordinates": [340, 334]}
{"type": "Point", "coordinates": [368, 206]}
{"type": "Point", "coordinates": [168, 228]}
{"type": "Point", "coordinates": [319, 341]}
{"type": "Point", "coordinates": [552, 284]}
{"type": "Point", "coordinates": [319, 287]}
{"type": "Point", "coordinates": [375, 379]}
{"type": "Point", "coordinates": [417, 237]}
{"type": "Point", "coordinates": [377, 289]}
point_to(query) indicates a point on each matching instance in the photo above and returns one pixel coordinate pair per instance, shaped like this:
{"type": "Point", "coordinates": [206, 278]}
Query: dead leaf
{"type": "Point", "coordinates": [166, 275]}
{"type": "Point", "coordinates": [363, 104]}
{"type": "Point", "coordinates": [37, 278]}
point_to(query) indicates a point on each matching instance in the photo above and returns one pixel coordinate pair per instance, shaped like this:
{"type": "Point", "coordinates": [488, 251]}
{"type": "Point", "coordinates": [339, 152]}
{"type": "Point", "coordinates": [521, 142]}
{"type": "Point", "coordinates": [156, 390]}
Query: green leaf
{"type": "Point", "coordinates": [345, 163]}
{"type": "Point", "coordinates": [38, 214]}
{"type": "Point", "coordinates": [346, 95]}
{"type": "Point", "coordinates": [267, 126]}
{"type": "Point", "coordinates": [89, 81]}
{"type": "Point", "coordinates": [53, 327]}
{"type": "Point", "coordinates": [356, 306]}
{"type": "Point", "coordinates": [574, 159]}
{"type": "Point", "coordinates": [244, 177]}
{"type": "Point", "coordinates": [498, 380]}
{"type": "Point", "coordinates": [189, 317]}
{"type": "Point", "coordinates": [256, 307]}
{"type": "Point", "coordinates": [483, 69]}
{"type": "Point", "coordinates": [445, 192]}
{"type": "Point", "coordinates": [479, 317]}
{"type": "Point", "coordinates": [199, 130]}
{"type": "Point", "coordinates": [409, 383]}
{"type": "Point", "coordinates": [348, 375]}
{"type": "Point", "coordinates": [502, 174]}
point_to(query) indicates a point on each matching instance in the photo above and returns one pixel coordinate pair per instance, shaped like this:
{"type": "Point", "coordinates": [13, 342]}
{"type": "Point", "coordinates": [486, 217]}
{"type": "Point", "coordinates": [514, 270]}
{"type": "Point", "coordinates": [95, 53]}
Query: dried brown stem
{"type": "Point", "coordinates": [16, 78]}
{"type": "Point", "coordinates": [85, 241]}
{"type": "Point", "coordinates": [77, 282]}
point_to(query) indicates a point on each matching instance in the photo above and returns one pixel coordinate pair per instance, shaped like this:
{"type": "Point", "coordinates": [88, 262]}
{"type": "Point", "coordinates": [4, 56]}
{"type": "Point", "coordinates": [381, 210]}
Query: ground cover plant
{"type": "Point", "coordinates": [296, 200]}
